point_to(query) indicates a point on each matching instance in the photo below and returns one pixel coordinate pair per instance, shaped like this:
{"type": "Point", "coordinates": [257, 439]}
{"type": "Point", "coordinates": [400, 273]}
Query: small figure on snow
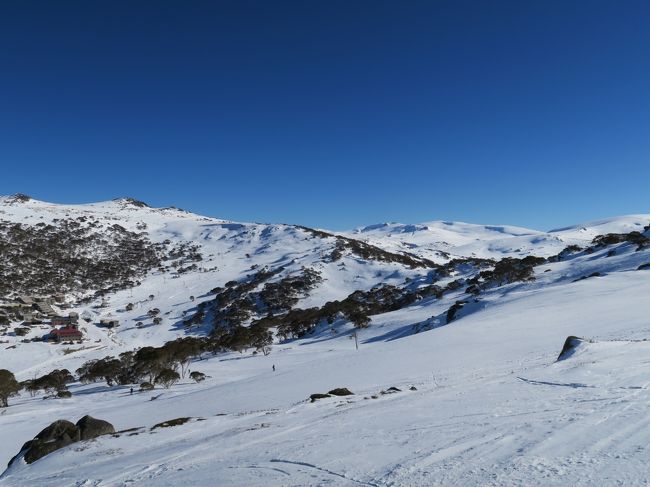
{"type": "Point", "coordinates": [273, 367]}
{"type": "Point", "coordinates": [131, 390]}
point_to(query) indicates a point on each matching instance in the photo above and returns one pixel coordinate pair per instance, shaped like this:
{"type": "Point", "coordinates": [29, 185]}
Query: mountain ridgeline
{"type": "Point", "coordinates": [260, 283]}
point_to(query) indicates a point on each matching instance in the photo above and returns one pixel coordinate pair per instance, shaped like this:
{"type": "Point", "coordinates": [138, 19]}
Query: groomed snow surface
{"type": "Point", "coordinates": [490, 405]}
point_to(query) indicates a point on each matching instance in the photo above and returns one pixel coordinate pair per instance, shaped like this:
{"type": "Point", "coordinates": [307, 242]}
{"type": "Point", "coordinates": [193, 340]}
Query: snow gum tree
{"type": "Point", "coordinates": [9, 387]}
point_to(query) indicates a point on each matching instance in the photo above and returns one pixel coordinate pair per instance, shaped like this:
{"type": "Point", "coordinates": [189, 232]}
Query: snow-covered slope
{"type": "Point", "coordinates": [489, 406]}
{"type": "Point", "coordinates": [229, 251]}
{"type": "Point", "coordinates": [441, 241]}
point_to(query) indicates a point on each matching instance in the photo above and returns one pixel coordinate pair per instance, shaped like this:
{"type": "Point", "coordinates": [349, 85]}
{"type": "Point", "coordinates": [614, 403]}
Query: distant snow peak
{"type": "Point", "coordinates": [16, 198]}
{"type": "Point", "coordinates": [128, 201]}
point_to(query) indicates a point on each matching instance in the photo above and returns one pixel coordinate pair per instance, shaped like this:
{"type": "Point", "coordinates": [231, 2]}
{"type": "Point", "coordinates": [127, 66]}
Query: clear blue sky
{"type": "Point", "coordinates": [331, 113]}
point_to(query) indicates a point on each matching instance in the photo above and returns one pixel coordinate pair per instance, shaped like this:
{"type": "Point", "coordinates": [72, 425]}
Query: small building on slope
{"type": "Point", "coordinates": [66, 334]}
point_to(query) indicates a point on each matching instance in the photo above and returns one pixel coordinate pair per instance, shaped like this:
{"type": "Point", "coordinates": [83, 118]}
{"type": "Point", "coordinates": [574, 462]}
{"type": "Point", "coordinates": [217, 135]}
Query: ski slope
{"type": "Point", "coordinates": [490, 405]}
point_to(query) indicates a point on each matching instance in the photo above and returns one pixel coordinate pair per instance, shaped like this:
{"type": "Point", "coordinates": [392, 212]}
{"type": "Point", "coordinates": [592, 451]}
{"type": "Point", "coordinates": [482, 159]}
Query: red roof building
{"type": "Point", "coordinates": [67, 333]}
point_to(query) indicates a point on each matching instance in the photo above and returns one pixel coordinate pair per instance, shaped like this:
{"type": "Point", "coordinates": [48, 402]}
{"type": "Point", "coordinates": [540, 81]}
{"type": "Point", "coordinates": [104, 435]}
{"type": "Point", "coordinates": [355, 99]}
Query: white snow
{"type": "Point", "coordinates": [491, 405]}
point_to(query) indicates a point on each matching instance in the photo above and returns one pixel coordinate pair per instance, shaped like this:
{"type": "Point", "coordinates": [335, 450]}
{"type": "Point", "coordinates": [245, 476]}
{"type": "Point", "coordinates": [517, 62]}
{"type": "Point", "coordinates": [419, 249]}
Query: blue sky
{"type": "Point", "coordinates": [331, 114]}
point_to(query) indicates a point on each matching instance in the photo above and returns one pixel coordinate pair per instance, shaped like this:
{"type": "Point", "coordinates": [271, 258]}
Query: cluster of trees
{"type": "Point", "coordinates": [241, 338]}
{"type": "Point", "coordinates": [636, 238]}
{"type": "Point", "coordinates": [77, 254]}
{"type": "Point", "coordinates": [72, 255]}
{"type": "Point", "coordinates": [357, 308]}
{"type": "Point", "coordinates": [157, 365]}
{"type": "Point", "coordinates": [641, 240]}
{"type": "Point", "coordinates": [55, 382]}
{"type": "Point", "coordinates": [237, 302]}
{"type": "Point", "coordinates": [509, 270]}
{"type": "Point", "coordinates": [282, 295]}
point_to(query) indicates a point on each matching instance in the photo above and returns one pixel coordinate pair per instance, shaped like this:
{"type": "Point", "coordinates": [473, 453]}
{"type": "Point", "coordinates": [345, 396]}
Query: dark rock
{"type": "Point", "coordinates": [473, 289]}
{"type": "Point", "coordinates": [315, 397]}
{"type": "Point", "coordinates": [90, 428]}
{"type": "Point", "coordinates": [593, 274]}
{"type": "Point", "coordinates": [390, 390]}
{"type": "Point", "coordinates": [570, 344]}
{"type": "Point", "coordinates": [59, 429]}
{"type": "Point", "coordinates": [341, 391]}
{"type": "Point", "coordinates": [64, 394]}
{"type": "Point", "coordinates": [454, 309]}
{"type": "Point", "coordinates": [59, 434]}
{"type": "Point", "coordinates": [413, 388]}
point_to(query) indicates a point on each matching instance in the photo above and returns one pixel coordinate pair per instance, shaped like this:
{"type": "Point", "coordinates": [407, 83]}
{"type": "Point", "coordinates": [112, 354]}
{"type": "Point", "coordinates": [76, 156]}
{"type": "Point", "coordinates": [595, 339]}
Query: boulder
{"type": "Point", "coordinates": [62, 433]}
{"type": "Point", "coordinates": [315, 397]}
{"type": "Point", "coordinates": [341, 391]}
{"type": "Point", "coordinates": [570, 344]}
{"type": "Point", "coordinates": [90, 428]}
{"type": "Point", "coordinates": [59, 430]}
{"type": "Point", "coordinates": [59, 434]}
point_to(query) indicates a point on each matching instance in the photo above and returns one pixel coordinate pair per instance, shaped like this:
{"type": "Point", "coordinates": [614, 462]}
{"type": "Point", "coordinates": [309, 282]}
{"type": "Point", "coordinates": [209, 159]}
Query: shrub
{"type": "Point", "coordinates": [197, 376]}
{"type": "Point", "coordinates": [167, 378]}
{"type": "Point", "coordinates": [170, 423]}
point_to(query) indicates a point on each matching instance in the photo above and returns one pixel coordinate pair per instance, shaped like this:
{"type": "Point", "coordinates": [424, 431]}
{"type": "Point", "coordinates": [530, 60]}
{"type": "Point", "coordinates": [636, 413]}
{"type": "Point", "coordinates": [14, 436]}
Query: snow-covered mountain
{"type": "Point", "coordinates": [465, 321]}
{"type": "Point", "coordinates": [443, 240]}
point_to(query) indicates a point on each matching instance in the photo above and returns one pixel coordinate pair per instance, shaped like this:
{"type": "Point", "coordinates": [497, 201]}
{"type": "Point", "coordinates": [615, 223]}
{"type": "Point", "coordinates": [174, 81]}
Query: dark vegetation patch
{"type": "Point", "coordinates": [601, 241]}
{"type": "Point", "coordinates": [593, 274]}
{"type": "Point", "coordinates": [369, 252]}
{"type": "Point", "coordinates": [171, 422]}
{"type": "Point", "coordinates": [636, 238]}
{"type": "Point", "coordinates": [18, 198]}
{"type": "Point", "coordinates": [73, 256]}
{"type": "Point", "coordinates": [132, 202]}
{"type": "Point", "coordinates": [53, 383]}
{"type": "Point", "coordinates": [357, 308]}
{"type": "Point", "coordinates": [145, 365]}
{"type": "Point", "coordinates": [566, 252]}
{"type": "Point", "coordinates": [454, 309]}
{"type": "Point", "coordinates": [509, 270]}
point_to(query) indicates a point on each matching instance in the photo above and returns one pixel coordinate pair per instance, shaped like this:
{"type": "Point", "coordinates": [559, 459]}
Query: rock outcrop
{"type": "Point", "coordinates": [60, 434]}
{"type": "Point", "coordinates": [90, 428]}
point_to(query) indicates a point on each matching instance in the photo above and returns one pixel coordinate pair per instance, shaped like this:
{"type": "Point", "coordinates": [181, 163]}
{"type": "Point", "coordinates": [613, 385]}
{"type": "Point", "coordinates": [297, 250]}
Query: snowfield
{"type": "Point", "coordinates": [481, 400]}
